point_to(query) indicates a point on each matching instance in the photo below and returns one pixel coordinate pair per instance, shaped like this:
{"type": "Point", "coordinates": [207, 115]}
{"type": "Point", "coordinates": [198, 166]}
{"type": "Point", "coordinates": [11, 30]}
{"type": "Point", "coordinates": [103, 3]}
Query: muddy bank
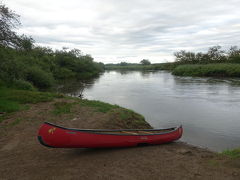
{"type": "Point", "coordinates": [22, 157]}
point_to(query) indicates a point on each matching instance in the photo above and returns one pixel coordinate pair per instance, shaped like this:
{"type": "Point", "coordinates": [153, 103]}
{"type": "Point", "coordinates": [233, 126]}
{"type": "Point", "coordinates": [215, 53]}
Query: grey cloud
{"type": "Point", "coordinates": [136, 29]}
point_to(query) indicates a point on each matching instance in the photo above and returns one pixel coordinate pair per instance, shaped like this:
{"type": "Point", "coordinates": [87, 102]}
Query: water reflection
{"type": "Point", "coordinates": [208, 108]}
{"type": "Point", "coordinates": [75, 87]}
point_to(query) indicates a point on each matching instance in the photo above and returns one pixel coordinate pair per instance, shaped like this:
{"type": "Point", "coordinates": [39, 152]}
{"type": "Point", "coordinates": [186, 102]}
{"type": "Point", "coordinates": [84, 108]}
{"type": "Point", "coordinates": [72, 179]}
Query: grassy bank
{"type": "Point", "coordinates": [208, 70]}
{"type": "Point", "coordinates": [13, 101]}
{"type": "Point", "coordinates": [159, 66]}
{"type": "Point", "coordinates": [235, 153]}
{"type": "Point", "coordinates": [180, 69]}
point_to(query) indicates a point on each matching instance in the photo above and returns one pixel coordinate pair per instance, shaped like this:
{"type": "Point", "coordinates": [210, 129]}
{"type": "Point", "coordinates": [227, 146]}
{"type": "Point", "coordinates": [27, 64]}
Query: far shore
{"type": "Point", "coordinates": [180, 69]}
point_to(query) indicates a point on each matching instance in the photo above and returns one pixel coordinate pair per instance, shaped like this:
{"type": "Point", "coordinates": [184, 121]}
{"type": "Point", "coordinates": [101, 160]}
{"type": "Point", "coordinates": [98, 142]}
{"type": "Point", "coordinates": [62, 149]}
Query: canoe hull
{"type": "Point", "coordinates": [55, 136]}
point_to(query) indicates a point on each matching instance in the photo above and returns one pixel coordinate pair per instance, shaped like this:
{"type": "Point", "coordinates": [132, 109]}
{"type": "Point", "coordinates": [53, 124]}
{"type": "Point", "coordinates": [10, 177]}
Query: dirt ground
{"type": "Point", "coordinates": [22, 157]}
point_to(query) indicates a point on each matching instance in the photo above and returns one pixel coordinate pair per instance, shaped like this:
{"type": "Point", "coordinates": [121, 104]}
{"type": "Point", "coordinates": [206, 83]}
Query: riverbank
{"type": "Point", "coordinates": [208, 70]}
{"type": "Point", "coordinates": [22, 157]}
{"type": "Point", "coordinates": [181, 69]}
{"type": "Point", "coordinates": [15, 101]}
{"type": "Point", "coordinates": [157, 66]}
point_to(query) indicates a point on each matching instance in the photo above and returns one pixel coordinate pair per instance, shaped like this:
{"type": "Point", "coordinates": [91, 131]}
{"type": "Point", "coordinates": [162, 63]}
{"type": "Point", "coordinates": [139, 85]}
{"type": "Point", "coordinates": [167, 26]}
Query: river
{"type": "Point", "coordinates": [208, 108]}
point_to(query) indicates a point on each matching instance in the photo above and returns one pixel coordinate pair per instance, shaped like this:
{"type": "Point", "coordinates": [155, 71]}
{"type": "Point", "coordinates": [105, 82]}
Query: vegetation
{"type": "Point", "coordinates": [215, 62]}
{"type": "Point", "coordinates": [27, 66]}
{"type": "Point", "coordinates": [12, 100]}
{"type": "Point", "coordinates": [135, 66]}
{"type": "Point", "coordinates": [214, 55]}
{"type": "Point", "coordinates": [217, 70]}
{"type": "Point", "coordinates": [127, 119]}
{"type": "Point", "coordinates": [41, 67]}
{"type": "Point", "coordinates": [145, 62]}
{"type": "Point", "coordinates": [62, 108]}
{"type": "Point", "coordinates": [235, 153]}
{"type": "Point", "coordinates": [8, 21]}
{"type": "Point", "coordinates": [99, 106]}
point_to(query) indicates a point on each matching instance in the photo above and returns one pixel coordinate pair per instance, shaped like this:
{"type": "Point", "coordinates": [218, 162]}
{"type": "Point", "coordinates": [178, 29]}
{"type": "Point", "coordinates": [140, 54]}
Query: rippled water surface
{"type": "Point", "coordinates": [208, 108]}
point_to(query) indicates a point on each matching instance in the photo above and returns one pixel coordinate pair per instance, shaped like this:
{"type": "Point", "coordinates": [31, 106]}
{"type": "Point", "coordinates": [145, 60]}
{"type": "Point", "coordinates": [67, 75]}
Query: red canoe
{"type": "Point", "coordinates": [51, 135]}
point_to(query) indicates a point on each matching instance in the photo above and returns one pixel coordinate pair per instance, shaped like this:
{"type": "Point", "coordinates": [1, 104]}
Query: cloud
{"type": "Point", "coordinates": [114, 31]}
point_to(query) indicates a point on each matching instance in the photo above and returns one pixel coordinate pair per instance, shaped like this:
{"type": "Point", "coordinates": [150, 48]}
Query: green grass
{"type": "Point", "coordinates": [208, 70]}
{"type": "Point", "coordinates": [12, 100]}
{"type": "Point", "coordinates": [128, 119]}
{"type": "Point", "coordinates": [65, 107]}
{"type": "Point", "coordinates": [235, 153]}
{"type": "Point", "coordinates": [9, 106]}
{"type": "Point", "coordinates": [129, 114]}
{"type": "Point", "coordinates": [62, 108]}
{"type": "Point", "coordinates": [97, 105]}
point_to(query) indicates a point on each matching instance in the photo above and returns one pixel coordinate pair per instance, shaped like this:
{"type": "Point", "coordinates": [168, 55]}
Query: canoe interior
{"type": "Point", "coordinates": [135, 132]}
{"type": "Point", "coordinates": [120, 131]}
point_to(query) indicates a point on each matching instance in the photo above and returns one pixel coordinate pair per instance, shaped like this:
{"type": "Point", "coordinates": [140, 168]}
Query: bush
{"type": "Point", "coordinates": [2, 83]}
{"type": "Point", "coordinates": [23, 85]}
{"type": "Point", "coordinates": [39, 78]}
{"type": "Point", "coordinates": [63, 73]}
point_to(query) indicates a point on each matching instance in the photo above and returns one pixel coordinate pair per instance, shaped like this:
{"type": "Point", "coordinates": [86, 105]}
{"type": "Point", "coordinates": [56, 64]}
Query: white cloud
{"type": "Point", "coordinates": [130, 30]}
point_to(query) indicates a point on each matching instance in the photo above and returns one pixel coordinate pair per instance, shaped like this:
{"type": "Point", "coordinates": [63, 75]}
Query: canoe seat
{"type": "Point", "coordinates": [144, 132]}
{"type": "Point", "coordinates": [129, 132]}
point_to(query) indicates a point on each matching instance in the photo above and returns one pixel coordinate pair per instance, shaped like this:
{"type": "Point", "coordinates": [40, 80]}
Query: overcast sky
{"type": "Point", "coordinates": [130, 30]}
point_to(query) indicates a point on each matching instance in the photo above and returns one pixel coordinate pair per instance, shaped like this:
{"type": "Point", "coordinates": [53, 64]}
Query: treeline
{"type": "Point", "coordinates": [214, 63]}
{"type": "Point", "coordinates": [42, 67]}
{"type": "Point", "coordinates": [26, 66]}
{"type": "Point", "coordinates": [135, 66]}
{"type": "Point", "coordinates": [214, 54]}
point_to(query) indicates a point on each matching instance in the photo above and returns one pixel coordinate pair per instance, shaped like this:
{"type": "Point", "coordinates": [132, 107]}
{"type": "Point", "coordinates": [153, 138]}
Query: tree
{"type": "Point", "coordinates": [123, 63]}
{"type": "Point", "coordinates": [25, 43]}
{"type": "Point", "coordinates": [145, 62]}
{"type": "Point", "coordinates": [234, 54]}
{"type": "Point", "coordinates": [215, 53]}
{"type": "Point", "coordinates": [8, 21]}
{"type": "Point", "coordinates": [184, 56]}
{"type": "Point", "coordinates": [234, 51]}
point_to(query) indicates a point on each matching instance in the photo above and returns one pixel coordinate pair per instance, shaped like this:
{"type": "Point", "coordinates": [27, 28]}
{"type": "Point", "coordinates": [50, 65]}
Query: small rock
{"type": "Point", "coordinates": [185, 151]}
{"type": "Point", "coordinates": [74, 119]}
{"type": "Point", "coordinates": [235, 174]}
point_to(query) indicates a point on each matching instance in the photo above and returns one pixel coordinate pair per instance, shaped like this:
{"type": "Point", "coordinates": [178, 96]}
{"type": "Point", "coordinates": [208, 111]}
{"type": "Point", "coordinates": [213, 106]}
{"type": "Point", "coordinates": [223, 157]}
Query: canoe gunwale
{"type": "Point", "coordinates": [98, 131]}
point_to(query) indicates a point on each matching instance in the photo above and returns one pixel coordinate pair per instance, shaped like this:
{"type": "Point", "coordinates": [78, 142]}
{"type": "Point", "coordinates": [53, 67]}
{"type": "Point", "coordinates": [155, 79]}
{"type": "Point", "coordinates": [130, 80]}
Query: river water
{"type": "Point", "coordinates": [208, 108]}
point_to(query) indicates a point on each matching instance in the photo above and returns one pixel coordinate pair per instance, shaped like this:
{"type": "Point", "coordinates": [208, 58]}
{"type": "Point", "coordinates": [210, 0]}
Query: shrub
{"type": "Point", "coordinates": [23, 85]}
{"type": "Point", "coordinates": [63, 73]}
{"type": "Point", "coordinates": [2, 83]}
{"type": "Point", "coordinates": [40, 78]}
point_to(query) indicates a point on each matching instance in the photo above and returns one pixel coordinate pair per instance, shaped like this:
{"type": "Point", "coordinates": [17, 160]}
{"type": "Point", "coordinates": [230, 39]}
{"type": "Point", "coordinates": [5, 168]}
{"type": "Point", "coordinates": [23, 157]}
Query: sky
{"type": "Point", "coordinates": [113, 31]}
